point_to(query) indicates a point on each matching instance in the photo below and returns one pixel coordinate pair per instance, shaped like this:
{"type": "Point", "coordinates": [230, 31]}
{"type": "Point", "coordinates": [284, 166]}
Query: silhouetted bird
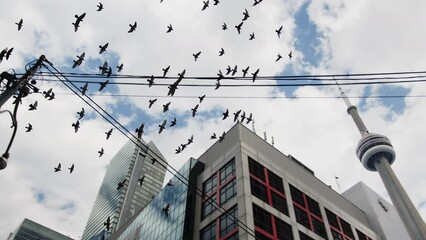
{"type": "Point", "coordinates": [216, 2]}
{"type": "Point", "coordinates": [196, 55]}
{"type": "Point", "coordinates": [101, 152]}
{"type": "Point", "coordinates": [107, 223]}
{"type": "Point", "coordinates": [58, 168]}
{"type": "Point", "coordinates": [166, 210]}
{"type": "Point", "coordinates": [169, 28]}
{"type": "Point", "coordinates": [121, 184]}
{"type": "Point", "coordinates": [220, 75]}
{"type": "Point", "coordinates": [221, 138]}
{"type": "Point", "coordinates": [84, 89]}
{"type": "Point", "coordinates": [79, 60]}
{"type": "Point", "coordinates": [249, 119]}
{"type": "Point", "coordinates": [202, 98]}
{"type": "Point", "coordinates": [173, 123]}
{"type": "Point", "coordinates": [166, 107]}
{"type": "Point", "coordinates": [170, 183]}
{"type": "Point", "coordinates": [139, 130]}
{"type": "Point", "coordinates": [221, 52]}
{"type": "Point", "coordinates": [76, 126]}
{"type": "Point", "coordinates": [77, 21]}
{"type": "Point", "coordinates": [165, 70]}
{"type": "Point", "coordinates": [47, 93]}
{"type": "Point", "coordinates": [3, 54]}
{"type": "Point", "coordinates": [238, 27]}
{"type": "Point", "coordinates": [236, 115]}
{"type": "Point", "coordinates": [162, 126]}
{"type": "Point", "coordinates": [103, 48]}
{"type": "Point", "coordinates": [151, 102]}
{"type": "Point", "coordinates": [251, 36]}
{"type": "Point", "coordinates": [256, 2]}
{"type": "Point", "coordinates": [120, 68]}
{"type": "Point", "coordinates": [29, 127]}
{"type": "Point", "coordinates": [243, 116]}
{"type": "Point", "coordinates": [278, 57]}
{"type": "Point", "coordinates": [150, 81]}
{"type": "Point", "coordinates": [76, 26]}
{"type": "Point", "coordinates": [20, 24]}
{"type": "Point", "coordinates": [194, 110]}
{"type": "Point", "coordinates": [104, 68]}
{"type": "Point", "coordinates": [103, 85]}
{"type": "Point", "coordinates": [132, 27]}
{"type": "Point", "coordinates": [8, 53]}
{"type": "Point", "coordinates": [234, 70]}
{"type": "Point", "coordinates": [140, 180]}
{"type": "Point", "coordinates": [108, 134]}
{"type": "Point", "coordinates": [183, 146]}
{"type": "Point", "coordinates": [33, 106]}
{"type": "Point", "coordinates": [100, 7]}
{"type": "Point", "coordinates": [225, 114]}
{"type": "Point", "coordinates": [153, 160]}
{"type": "Point", "coordinates": [278, 31]}
{"type": "Point", "coordinates": [190, 140]}
{"type": "Point", "coordinates": [217, 85]}
{"type": "Point", "coordinates": [224, 27]}
{"type": "Point", "coordinates": [213, 136]}
{"type": "Point", "coordinates": [178, 150]}
{"type": "Point", "coordinates": [205, 5]}
{"type": "Point", "coordinates": [228, 70]}
{"type": "Point", "coordinates": [246, 15]}
{"type": "Point", "coordinates": [245, 71]}
{"type": "Point", "coordinates": [71, 168]}
{"type": "Point", "coordinates": [255, 74]}
{"type": "Point", "coordinates": [290, 55]}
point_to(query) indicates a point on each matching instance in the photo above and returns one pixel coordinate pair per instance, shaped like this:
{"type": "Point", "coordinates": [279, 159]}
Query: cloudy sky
{"type": "Point", "coordinates": [310, 123]}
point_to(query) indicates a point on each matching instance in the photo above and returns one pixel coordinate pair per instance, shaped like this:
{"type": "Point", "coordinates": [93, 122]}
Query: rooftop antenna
{"type": "Point", "coordinates": [272, 140]}
{"type": "Point", "coordinates": [252, 125]}
{"type": "Point", "coordinates": [264, 136]}
{"type": "Point", "coordinates": [376, 153]}
{"type": "Point", "coordinates": [337, 182]}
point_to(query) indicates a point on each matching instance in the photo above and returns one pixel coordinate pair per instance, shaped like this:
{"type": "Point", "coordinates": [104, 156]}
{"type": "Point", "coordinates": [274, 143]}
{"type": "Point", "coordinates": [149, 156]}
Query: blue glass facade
{"type": "Point", "coordinates": [30, 230]}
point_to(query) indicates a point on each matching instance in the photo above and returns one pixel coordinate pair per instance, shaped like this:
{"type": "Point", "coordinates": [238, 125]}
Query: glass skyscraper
{"type": "Point", "coordinates": [121, 195]}
{"type": "Point", "coordinates": [30, 230]}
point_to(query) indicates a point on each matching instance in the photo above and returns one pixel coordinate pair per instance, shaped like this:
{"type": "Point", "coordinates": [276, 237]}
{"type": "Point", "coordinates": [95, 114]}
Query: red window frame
{"type": "Point", "coordinates": [340, 229]}
{"type": "Point", "coordinates": [274, 234]}
{"type": "Point", "coordinates": [218, 226]}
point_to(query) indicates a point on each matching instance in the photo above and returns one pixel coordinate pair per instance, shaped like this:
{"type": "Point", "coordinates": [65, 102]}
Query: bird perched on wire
{"type": "Point", "coordinates": [29, 127]}
{"type": "Point", "coordinates": [108, 134]}
{"type": "Point", "coordinates": [76, 126]}
{"type": "Point", "coordinates": [133, 27]}
{"type": "Point", "coordinates": [150, 81]}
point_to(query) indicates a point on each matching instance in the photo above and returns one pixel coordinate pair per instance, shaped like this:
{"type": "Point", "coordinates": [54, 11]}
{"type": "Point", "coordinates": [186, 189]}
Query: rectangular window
{"type": "Point", "coordinates": [276, 182]}
{"type": "Point", "coordinates": [339, 227]}
{"type": "Point", "coordinates": [297, 196]}
{"type": "Point", "coordinates": [228, 191]}
{"type": "Point", "coordinates": [228, 221]}
{"type": "Point", "coordinates": [259, 190]}
{"type": "Point", "coordinates": [332, 219]}
{"type": "Point", "coordinates": [208, 206]}
{"type": "Point", "coordinates": [256, 169]}
{"type": "Point", "coordinates": [302, 217]}
{"type": "Point", "coordinates": [284, 231]}
{"type": "Point", "coordinates": [304, 236]}
{"type": "Point", "coordinates": [209, 232]}
{"type": "Point", "coordinates": [260, 236]}
{"type": "Point", "coordinates": [361, 235]}
{"type": "Point", "coordinates": [346, 227]}
{"type": "Point", "coordinates": [262, 219]}
{"type": "Point", "coordinates": [279, 203]}
{"type": "Point", "coordinates": [314, 206]}
{"type": "Point", "coordinates": [319, 228]}
{"type": "Point", "coordinates": [210, 185]}
{"type": "Point", "coordinates": [227, 171]}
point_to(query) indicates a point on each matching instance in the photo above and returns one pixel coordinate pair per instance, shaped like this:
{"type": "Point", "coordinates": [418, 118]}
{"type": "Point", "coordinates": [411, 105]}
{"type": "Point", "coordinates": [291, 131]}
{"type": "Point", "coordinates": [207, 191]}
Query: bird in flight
{"type": "Point", "coordinates": [29, 127]}
{"type": "Point", "coordinates": [290, 55]}
{"type": "Point", "coordinates": [169, 28]}
{"type": "Point", "coordinates": [3, 54]}
{"type": "Point", "coordinates": [178, 150]}
{"type": "Point", "coordinates": [190, 140]}
{"type": "Point", "coordinates": [33, 106]}
{"type": "Point", "coordinates": [256, 2]}
{"type": "Point", "coordinates": [151, 102]}
{"type": "Point", "coordinates": [101, 152]}
{"type": "Point", "coordinates": [139, 130]}
{"type": "Point", "coordinates": [170, 183]}
{"type": "Point", "coordinates": [246, 15]}
{"type": "Point", "coordinates": [133, 27]}
{"type": "Point", "coordinates": [205, 5]}
{"type": "Point", "coordinates": [243, 116]}
{"type": "Point", "coordinates": [162, 126]}
{"type": "Point", "coordinates": [153, 160]}
{"type": "Point", "coordinates": [71, 168]}
{"type": "Point", "coordinates": [236, 115]}
{"type": "Point", "coordinates": [202, 98]}
{"type": "Point", "coordinates": [84, 89]}
{"type": "Point", "coordinates": [100, 7]}
{"type": "Point", "coordinates": [249, 119]}
{"type": "Point", "coordinates": [58, 168]}
{"type": "Point", "coordinates": [238, 27]}
{"type": "Point", "coordinates": [107, 223]}
{"type": "Point", "coordinates": [222, 137]}
{"type": "Point", "coordinates": [103, 48]}
{"type": "Point", "coordinates": [166, 210]}
{"type": "Point", "coordinates": [121, 184]}
{"type": "Point", "coordinates": [228, 70]}
{"type": "Point", "coordinates": [120, 68]}
{"type": "Point", "coordinates": [165, 70]}
{"type": "Point", "coordinates": [78, 20]}
{"type": "Point", "coordinates": [225, 114]}
{"type": "Point", "coordinates": [213, 136]}
{"type": "Point", "coordinates": [196, 55]}
{"type": "Point", "coordinates": [8, 53]}
{"type": "Point", "coordinates": [221, 52]}
{"type": "Point", "coordinates": [251, 36]}
{"type": "Point", "coordinates": [234, 70]}
{"type": "Point", "coordinates": [47, 94]}
{"type": "Point", "coordinates": [217, 84]}
{"type": "Point", "coordinates": [278, 57]}
{"type": "Point", "coordinates": [140, 180]}
{"type": "Point", "coordinates": [224, 27]}
{"type": "Point", "coordinates": [166, 107]}
{"type": "Point", "coordinates": [20, 24]}
{"type": "Point", "coordinates": [173, 123]}
{"type": "Point", "coordinates": [194, 110]}
{"type": "Point", "coordinates": [103, 85]}
{"type": "Point", "coordinates": [79, 60]}
{"type": "Point", "coordinates": [104, 68]}
{"type": "Point", "coordinates": [255, 74]}
{"type": "Point", "coordinates": [150, 81]}
{"type": "Point", "coordinates": [278, 31]}
{"type": "Point", "coordinates": [108, 134]}
{"type": "Point", "coordinates": [76, 126]}
{"type": "Point", "coordinates": [245, 71]}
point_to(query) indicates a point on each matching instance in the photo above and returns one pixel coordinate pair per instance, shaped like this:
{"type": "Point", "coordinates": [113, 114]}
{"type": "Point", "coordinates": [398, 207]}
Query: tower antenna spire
{"type": "Point", "coordinates": [376, 153]}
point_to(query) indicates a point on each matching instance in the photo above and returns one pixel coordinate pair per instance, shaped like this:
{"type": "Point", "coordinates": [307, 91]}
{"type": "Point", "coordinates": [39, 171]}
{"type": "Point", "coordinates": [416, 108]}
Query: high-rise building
{"type": "Point", "coordinates": [30, 230]}
{"type": "Point", "coordinates": [132, 179]}
{"type": "Point", "coordinates": [244, 188]}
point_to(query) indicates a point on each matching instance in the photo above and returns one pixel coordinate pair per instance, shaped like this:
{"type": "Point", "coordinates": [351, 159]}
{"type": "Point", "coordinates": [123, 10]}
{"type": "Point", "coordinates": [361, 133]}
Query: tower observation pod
{"type": "Point", "coordinates": [376, 153]}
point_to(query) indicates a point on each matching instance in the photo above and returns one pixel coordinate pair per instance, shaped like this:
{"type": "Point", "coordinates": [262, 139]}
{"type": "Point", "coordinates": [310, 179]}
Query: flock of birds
{"type": "Point", "coordinates": [107, 71]}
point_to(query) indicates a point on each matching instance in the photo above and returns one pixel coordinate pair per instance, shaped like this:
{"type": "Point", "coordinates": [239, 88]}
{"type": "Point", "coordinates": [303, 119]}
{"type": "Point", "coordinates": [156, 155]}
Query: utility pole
{"type": "Point", "coordinates": [20, 84]}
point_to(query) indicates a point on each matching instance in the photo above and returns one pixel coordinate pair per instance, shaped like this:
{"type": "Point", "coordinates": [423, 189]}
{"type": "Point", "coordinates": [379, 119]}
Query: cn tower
{"type": "Point", "coordinates": [376, 153]}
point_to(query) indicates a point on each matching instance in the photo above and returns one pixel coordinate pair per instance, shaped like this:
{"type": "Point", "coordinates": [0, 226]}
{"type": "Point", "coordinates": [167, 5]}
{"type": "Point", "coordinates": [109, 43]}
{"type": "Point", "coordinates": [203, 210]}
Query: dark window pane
{"type": "Point", "coordinates": [332, 219]}
{"type": "Point", "coordinates": [275, 181]}
{"type": "Point", "coordinates": [319, 228]}
{"type": "Point", "coordinates": [336, 235]}
{"type": "Point", "coordinates": [297, 196]}
{"type": "Point", "coordinates": [259, 190]}
{"type": "Point", "coordinates": [304, 236]}
{"type": "Point", "coordinates": [346, 227]}
{"type": "Point", "coordinates": [210, 185]}
{"type": "Point", "coordinates": [314, 207]}
{"type": "Point", "coordinates": [260, 236]}
{"type": "Point", "coordinates": [279, 203]}
{"type": "Point", "coordinates": [361, 235]}
{"type": "Point", "coordinates": [262, 219]}
{"type": "Point", "coordinates": [302, 217]}
{"type": "Point", "coordinates": [227, 171]}
{"type": "Point", "coordinates": [228, 221]}
{"type": "Point", "coordinates": [233, 237]}
{"type": "Point", "coordinates": [256, 169]}
{"type": "Point", "coordinates": [284, 231]}
{"type": "Point", "coordinates": [229, 191]}
{"type": "Point", "coordinates": [209, 232]}
{"type": "Point", "coordinates": [208, 206]}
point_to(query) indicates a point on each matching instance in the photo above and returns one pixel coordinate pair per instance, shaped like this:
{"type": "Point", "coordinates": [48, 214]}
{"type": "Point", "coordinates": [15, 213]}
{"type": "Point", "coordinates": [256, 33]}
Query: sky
{"type": "Point", "coordinates": [308, 122]}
